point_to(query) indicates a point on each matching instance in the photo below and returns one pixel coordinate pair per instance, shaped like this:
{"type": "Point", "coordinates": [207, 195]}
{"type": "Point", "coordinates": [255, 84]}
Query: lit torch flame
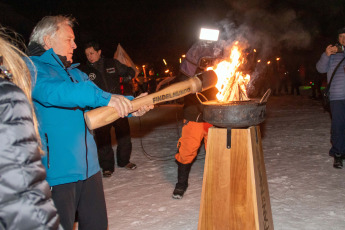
{"type": "Point", "coordinates": [231, 83]}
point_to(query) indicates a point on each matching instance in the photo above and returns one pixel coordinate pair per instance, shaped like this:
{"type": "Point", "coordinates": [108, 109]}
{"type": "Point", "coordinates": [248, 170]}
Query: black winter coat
{"type": "Point", "coordinates": [106, 73]}
{"type": "Point", "coordinates": [25, 198]}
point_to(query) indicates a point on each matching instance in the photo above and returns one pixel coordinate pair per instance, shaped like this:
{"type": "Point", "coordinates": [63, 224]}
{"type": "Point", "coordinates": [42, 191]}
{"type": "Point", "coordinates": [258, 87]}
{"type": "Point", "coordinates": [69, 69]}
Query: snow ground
{"type": "Point", "coordinates": [306, 192]}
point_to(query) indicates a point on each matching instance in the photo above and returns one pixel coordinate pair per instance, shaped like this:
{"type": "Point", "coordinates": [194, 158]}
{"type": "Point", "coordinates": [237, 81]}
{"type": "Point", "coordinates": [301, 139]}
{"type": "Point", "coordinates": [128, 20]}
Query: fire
{"type": "Point", "coordinates": [231, 83]}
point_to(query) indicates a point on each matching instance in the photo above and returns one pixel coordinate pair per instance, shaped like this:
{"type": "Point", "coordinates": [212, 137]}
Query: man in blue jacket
{"type": "Point", "coordinates": [61, 95]}
{"type": "Point", "coordinates": [333, 56]}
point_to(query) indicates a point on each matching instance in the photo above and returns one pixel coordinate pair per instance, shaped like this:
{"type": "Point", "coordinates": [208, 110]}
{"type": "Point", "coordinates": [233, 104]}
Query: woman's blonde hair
{"type": "Point", "coordinates": [13, 60]}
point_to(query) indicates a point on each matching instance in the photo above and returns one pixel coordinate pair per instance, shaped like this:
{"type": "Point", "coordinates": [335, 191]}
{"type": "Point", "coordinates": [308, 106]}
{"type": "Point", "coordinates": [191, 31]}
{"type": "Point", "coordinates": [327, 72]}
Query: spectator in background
{"type": "Point", "coordinates": [302, 70]}
{"type": "Point", "coordinates": [295, 81]}
{"type": "Point", "coordinates": [108, 74]}
{"type": "Point", "coordinates": [145, 81]}
{"type": "Point", "coordinates": [136, 88]}
{"type": "Point", "coordinates": [62, 93]}
{"type": "Point", "coordinates": [330, 59]}
{"type": "Point", "coordinates": [316, 80]}
{"type": "Point", "coordinates": [152, 84]}
{"type": "Point", "coordinates": [283, 76]}
{"type": "Point", "coordinates": [25, 200]}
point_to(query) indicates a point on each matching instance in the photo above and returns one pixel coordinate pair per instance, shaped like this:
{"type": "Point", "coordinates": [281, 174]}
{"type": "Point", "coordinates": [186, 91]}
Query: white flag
{"type": "Point", "coordinates": [123, 57]}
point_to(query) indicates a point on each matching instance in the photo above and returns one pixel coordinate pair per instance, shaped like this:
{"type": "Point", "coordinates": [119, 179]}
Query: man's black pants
{"type": "Point", "coordinates": [85, 198]}
{"type": "Point", "coordinates": [124, 145]}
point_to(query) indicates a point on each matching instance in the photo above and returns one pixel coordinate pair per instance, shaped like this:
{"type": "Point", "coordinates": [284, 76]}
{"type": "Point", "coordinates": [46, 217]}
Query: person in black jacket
{"type": "Point", "coordinates": [25, 200]}
{"type": "Point", "coordinates": [108, 74]}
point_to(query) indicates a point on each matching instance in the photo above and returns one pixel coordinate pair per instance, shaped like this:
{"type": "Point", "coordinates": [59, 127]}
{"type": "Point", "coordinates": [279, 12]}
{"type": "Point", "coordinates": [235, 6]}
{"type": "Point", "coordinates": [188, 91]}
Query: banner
{"type": "Point", "coordinates": [123, 57]}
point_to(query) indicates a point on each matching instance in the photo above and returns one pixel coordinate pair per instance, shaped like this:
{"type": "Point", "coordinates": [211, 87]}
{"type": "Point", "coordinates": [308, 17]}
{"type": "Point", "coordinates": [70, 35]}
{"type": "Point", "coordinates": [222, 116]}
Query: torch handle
{"type": "Point", "coordinates": [105, 115]}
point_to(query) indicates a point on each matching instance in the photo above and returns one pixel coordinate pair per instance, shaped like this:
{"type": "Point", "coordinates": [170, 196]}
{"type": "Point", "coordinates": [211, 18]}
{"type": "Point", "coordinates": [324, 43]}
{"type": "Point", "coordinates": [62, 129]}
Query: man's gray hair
{"type": "Point", "coordinates": [48, 26]}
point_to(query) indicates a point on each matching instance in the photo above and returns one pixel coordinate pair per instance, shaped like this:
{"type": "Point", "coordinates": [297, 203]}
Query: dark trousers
{"type": "Point", "coordinates": [337, 128]}
{"type": "Point", "coordinates": [295, 86]}
{"type": "Point", "coordinates": [283, 86]}
{"type": "Point", "coordinates": [85, 198]}
{"type": "Point", "coordinates": [124, 145]}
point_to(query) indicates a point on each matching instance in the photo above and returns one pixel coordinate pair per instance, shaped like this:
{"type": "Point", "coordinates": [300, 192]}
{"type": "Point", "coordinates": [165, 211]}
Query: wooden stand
{"type": "Point", "coordinates": [235, 190]}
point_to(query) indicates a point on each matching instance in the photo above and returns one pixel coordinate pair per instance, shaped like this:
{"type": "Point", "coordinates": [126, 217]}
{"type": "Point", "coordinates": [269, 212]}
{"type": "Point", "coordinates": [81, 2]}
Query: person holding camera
{"type": "Point", "coordinates": [332, 62]}
{"type": "Point", "coordinates": [106, 74]}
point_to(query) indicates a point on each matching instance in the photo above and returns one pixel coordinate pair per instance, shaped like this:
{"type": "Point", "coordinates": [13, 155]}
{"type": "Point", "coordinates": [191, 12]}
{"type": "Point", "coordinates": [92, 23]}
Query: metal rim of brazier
{"type": "Point", "coordinates": [235, 114]}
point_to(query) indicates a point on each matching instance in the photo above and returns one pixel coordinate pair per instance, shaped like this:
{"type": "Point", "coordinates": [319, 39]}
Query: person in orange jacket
{"type": "Point", "coordinates": [201, 55]}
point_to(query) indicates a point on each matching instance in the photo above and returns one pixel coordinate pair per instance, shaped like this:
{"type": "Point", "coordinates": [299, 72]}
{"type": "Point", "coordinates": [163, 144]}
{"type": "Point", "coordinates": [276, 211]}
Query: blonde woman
{"type": "Point", "coordinates": [25, 198]}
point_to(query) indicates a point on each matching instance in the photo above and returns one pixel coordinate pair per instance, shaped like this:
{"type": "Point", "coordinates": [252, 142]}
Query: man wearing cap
{"type": "Point", "coordinates": [332, 58]}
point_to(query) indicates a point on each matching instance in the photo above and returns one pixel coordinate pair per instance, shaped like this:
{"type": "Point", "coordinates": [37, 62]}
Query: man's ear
{"type": "Point", "coordinates": [99, 52]}
{"type": "Point", "coordinates": [47, 42]}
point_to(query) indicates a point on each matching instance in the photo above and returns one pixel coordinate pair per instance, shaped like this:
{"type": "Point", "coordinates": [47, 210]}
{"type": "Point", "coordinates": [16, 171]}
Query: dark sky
{"type": "Point", "coordinates": [150, 30]}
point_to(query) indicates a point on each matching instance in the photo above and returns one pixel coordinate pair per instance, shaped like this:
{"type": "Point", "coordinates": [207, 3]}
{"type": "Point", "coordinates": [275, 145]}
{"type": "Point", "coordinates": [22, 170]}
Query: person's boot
{"type": "Point", "coordinates": [338, 162]}
{"type": "Point", "coordinates": [182, 180]}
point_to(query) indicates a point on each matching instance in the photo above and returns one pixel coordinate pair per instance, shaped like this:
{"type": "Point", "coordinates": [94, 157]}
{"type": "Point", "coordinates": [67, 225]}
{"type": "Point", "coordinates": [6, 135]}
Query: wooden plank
{"type": "Point", "coordinates": [213, 211]}
{"type": "Point", "coordinates": [263, 203]}
{"type": "Point", "coordinates": [241, 191]}
{"type": "Point", "coordinates": [233, 180]}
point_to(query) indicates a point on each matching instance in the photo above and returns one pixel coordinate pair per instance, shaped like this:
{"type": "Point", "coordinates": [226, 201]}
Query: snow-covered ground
{"type": "Point", "coordinates": [306, 191]}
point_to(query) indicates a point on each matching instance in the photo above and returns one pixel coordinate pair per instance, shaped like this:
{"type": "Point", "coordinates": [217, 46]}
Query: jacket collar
{"type": "Point", "coordinates": [97, 63]}
{"type": "Point", "coordinates": [50, 57]}
{"type": "Point", "coordinates": [35, 49]}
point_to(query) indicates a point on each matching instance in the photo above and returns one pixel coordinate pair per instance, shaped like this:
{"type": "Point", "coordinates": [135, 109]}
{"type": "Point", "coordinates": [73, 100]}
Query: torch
{"type": "Point", "coordinates": [200, 82]}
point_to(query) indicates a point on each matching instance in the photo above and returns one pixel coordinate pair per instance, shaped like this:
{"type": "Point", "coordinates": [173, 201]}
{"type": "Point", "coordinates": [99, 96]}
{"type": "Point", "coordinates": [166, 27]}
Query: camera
{"type": "Point", "coordinates": [205, 62]}
{"type": "Point", "coordinates": [340, 48]}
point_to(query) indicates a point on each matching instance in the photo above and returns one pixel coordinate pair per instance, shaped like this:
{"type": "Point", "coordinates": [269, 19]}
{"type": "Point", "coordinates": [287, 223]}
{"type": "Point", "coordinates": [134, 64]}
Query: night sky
{"type": "Point", "coordinates": [150, 30]}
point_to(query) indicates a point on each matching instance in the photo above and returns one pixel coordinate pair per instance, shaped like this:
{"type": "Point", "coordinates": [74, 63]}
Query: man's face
{"type": "Point", "coordinates": [341, 39]}
{"type": "Point", "coordinates": [62, 42]}
{"type": "Point", "coordinates": [92, 55]}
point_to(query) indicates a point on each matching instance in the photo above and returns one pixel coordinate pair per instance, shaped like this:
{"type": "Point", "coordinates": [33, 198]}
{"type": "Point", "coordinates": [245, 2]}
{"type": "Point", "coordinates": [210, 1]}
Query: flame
{"type": "Point", "coordinates": [231, 83]}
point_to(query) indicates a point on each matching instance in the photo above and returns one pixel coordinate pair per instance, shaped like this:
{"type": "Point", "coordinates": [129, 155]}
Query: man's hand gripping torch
{"type": "Point", "coordinates": [200, 82]}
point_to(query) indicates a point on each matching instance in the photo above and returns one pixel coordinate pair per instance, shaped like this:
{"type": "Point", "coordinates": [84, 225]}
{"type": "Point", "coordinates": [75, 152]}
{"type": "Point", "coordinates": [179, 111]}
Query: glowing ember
{"type": "Point", "coordinates": [231, 82]}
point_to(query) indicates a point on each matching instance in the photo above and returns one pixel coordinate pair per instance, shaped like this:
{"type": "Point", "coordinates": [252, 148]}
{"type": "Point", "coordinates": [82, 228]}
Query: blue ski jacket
{"type": "Point", "coordinates": [61, 96]}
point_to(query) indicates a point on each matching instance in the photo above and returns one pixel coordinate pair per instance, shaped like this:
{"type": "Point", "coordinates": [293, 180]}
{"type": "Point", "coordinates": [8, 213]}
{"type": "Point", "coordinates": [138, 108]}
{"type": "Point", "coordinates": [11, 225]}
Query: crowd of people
{"type": "Point", "coordinates": [285, 79]}
{"type": "Point", "coordinates": [52, 164]}
{"type": "Point", "coordinates": [150, 82]}
{"type": "Point", "coordinates": [51, 191]}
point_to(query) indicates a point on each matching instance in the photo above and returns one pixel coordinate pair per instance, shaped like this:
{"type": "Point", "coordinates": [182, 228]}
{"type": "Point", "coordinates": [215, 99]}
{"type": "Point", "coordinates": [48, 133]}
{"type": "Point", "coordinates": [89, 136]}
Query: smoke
{"type": "Point", "coordinates": [267, 32]}
{"type": "Point", "coordinates": [270, 32]}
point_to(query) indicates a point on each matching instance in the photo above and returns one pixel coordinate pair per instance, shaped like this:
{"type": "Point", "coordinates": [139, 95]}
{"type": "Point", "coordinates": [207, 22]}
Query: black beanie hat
{"type": "Point", "coordinates": [341, 31]}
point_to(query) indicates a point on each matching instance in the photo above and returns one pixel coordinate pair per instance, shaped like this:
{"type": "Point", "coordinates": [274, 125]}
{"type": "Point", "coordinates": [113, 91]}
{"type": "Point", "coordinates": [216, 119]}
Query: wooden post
{"type": "Point", "coordinates": [235, 191]}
